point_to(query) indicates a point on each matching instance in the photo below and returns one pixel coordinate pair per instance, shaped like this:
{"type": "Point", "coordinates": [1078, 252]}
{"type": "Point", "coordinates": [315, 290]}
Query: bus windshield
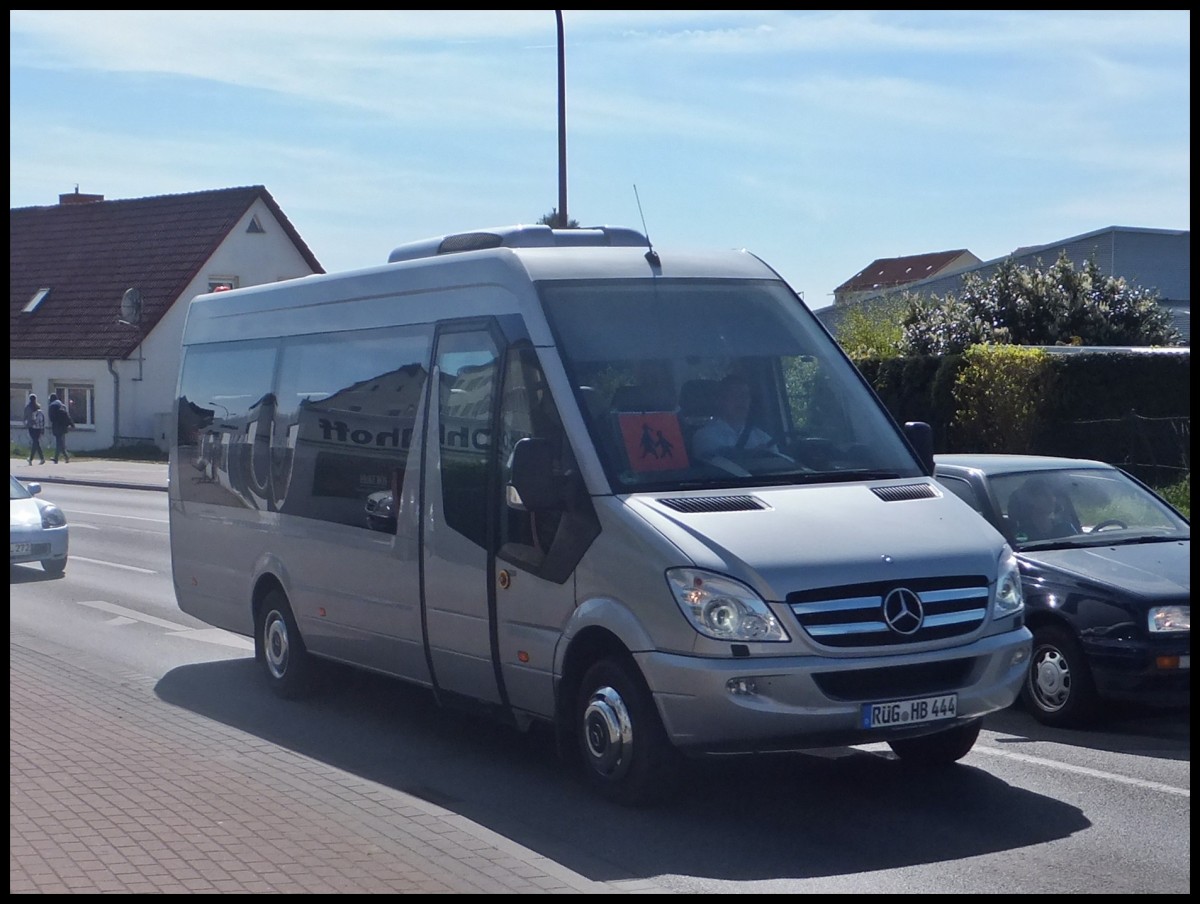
{"type": "Point", "coordinates": [716, 383]}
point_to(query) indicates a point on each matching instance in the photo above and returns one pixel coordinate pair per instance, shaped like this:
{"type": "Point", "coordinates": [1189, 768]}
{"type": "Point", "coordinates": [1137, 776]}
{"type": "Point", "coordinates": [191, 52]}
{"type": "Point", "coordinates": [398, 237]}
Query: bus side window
{"type": "Point", "coordinates": [528, 411]}
{"type": "Point", "coordinates": [468, 362]}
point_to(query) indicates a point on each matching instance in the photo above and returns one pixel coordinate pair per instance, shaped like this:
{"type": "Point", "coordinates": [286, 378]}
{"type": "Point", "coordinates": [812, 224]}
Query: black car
{"type": "Point", "coordinates": [1106, 570]}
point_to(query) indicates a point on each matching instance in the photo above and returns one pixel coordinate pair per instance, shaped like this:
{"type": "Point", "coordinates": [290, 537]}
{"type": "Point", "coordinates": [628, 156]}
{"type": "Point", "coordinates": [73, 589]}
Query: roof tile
{"type": "Point", "coordinates": [89, 253]}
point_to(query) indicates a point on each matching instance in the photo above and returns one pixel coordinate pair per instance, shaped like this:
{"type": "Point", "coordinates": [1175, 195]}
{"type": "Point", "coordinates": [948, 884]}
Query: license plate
{"type": "Point", "coordinates": [19, 549]}
{"type": "Point", "coordinates": [909, 712]}
{"type": "Point", "coordinates": [1185, 661]}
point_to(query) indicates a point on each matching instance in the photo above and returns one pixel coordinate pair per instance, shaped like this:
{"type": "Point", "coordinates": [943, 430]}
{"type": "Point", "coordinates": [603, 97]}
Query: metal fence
{"type": "Point", "coordinates": [1154, 449]}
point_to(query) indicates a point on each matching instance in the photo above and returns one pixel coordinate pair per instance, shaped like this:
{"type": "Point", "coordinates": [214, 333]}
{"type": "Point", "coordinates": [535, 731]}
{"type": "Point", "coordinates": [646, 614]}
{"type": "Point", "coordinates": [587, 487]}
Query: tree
{"type": "Point", "coordinates": [871, 330]}
{"type": "Point", "coordinates": [1020, 305]}
{"type": "Point", "coordinates": [554, 220]}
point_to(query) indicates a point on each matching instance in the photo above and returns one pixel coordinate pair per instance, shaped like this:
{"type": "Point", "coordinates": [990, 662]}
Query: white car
{"type": "Point", "coordinates": [37, 529]}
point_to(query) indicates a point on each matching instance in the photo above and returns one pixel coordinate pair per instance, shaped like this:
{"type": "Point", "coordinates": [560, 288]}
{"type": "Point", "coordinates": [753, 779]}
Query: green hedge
{"type": "Point", "coordinates": [1129, 408]}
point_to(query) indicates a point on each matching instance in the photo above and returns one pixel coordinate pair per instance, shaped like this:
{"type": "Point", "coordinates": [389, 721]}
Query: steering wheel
{"type": "Point", "coordinates": [1110, 522]}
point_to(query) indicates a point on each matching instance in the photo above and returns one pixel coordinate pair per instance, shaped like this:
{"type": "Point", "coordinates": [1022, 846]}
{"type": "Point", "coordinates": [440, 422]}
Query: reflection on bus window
{"type": "Point", "coordinates": [323, 439]}
{"type": "Point", "coordinates": [467, 362]}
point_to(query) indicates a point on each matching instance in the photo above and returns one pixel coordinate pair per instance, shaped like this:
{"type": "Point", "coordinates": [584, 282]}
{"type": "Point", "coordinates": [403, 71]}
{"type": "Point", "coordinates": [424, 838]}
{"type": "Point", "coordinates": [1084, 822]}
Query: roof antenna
{"type": "Point", "coordinates": [651, 254]}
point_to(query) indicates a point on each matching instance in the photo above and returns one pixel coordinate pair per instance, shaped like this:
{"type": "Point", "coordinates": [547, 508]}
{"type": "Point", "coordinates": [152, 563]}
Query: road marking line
{"type": "Point", "coordinates": [114, 609]}
{"type": "Point", "coordinates": [125, 615]}
{"type": "Point", "coordinates": [1082, 770]}
{"type": "Point", "coordinates": [75, 511]}
{"type": "Point", "coordinates": [113, 565]}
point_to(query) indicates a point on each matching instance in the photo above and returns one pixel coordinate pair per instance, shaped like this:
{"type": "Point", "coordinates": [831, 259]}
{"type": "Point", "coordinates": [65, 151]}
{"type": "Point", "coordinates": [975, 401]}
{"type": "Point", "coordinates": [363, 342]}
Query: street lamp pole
{"type": "Point", "coordinates": [562, 125]}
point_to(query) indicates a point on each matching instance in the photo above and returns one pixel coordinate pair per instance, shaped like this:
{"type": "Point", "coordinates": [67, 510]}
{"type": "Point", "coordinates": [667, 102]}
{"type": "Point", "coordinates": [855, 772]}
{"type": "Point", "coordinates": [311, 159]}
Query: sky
{"type": "Point", "coordinates": [819, 140]}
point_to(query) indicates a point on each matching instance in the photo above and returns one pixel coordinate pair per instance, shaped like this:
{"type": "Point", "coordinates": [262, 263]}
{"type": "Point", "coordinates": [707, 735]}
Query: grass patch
{"type": "Point", "coordinates": [1179, 495]}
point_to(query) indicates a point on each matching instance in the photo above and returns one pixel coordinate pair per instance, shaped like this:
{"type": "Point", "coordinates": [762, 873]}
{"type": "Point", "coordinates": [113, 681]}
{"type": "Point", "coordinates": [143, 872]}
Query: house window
{"type": "Point", "coordinates": [79, 399]}
{"type": "Point", "coordinates": [255, 227]}
{"type": "Point", "coordinates": [38, 297]}
{"type": "Point", "coordinates": [221, 283]}
{"type": "Point", "coordinates": [18, 395]}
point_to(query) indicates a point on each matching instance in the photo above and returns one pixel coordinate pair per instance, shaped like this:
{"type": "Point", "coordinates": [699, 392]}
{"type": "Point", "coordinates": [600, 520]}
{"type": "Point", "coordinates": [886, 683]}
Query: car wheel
{"type": "Point", "coordinates": [289, 668]}
{"type": "Point", "coordinates": [55, 567]}
{"type": "Point", "coordinates": [624, 750]}
{"type": "Point", "coordinates": [940, 749]}
{"type": "Point", "coordinates": [1058, 689]}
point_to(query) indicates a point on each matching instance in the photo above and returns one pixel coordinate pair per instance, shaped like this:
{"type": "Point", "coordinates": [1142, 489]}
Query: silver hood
{"type": "Point", "coordinates": [785, 539]}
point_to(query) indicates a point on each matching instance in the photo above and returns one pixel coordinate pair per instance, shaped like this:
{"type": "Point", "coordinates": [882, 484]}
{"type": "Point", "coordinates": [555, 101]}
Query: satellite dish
{"type": "Point", "coordinates": [131, 306]}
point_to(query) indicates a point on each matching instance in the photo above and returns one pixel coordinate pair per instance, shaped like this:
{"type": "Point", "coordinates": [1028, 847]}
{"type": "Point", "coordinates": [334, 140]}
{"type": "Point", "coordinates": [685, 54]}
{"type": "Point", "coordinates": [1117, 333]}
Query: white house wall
{"type": "Point", "coordinates": [146, 390]}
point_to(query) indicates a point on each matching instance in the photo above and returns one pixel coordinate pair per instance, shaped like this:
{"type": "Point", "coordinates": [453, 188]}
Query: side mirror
{"type": "Point", "coordinates": [534, 484]}
{"type": "Point", "coordinates": [920, 434]}
{"type": "Point", "coordinates": [381, 511]}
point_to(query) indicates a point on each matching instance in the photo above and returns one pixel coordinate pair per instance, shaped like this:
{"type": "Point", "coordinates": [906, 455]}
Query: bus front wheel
{"type": "Point", "coordinates": [625, 753]}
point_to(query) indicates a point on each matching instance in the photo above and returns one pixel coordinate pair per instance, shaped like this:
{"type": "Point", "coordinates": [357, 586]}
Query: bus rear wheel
{"type": "Point", "coordinates": [289, 668]}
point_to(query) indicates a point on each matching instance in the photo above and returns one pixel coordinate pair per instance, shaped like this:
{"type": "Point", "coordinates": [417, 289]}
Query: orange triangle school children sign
{"type": "Point", "coordinates": [653, 441]}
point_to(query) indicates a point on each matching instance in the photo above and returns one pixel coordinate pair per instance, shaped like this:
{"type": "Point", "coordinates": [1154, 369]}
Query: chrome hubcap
{"type": "Point", "coordinates": [608, 733]}
{"type": "Point", "coordinates": [275, 644]}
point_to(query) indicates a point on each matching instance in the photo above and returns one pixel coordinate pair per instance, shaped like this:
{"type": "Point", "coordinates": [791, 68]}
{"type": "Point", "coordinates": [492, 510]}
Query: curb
{"type": "Point", "coordinates": [94, 482]}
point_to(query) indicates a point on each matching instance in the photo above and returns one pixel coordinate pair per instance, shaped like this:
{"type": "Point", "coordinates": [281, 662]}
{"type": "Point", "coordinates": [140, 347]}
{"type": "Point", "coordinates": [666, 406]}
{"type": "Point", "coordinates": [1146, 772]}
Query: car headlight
{"type": "Point", "coordinates": [52, 516]}
{"type": "Point", "coordinates": [1010, 599]}
{"type": "Point", "coordinates": [722, 608]}
{"type": "Point", "coordinates": [1165, 619]}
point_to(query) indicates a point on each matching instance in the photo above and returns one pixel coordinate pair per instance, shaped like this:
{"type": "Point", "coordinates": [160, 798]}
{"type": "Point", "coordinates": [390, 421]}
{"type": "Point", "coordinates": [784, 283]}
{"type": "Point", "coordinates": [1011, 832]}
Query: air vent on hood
{"type": "Point", "coordinates": [693, 504]}
{"type": "Point", "coordinates": [905, 492]}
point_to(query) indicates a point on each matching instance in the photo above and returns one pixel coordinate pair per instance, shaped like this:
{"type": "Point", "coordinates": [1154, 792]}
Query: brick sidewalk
{"type": "Point", "coordinates": [111, 790]}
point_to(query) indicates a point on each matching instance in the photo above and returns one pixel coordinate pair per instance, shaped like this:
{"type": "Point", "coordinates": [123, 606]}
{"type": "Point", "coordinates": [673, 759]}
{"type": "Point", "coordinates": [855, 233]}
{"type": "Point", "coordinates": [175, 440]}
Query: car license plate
{"type": "Point", "coordinates": [909, 712]}
{"type": "Point", "coordinates": [19, 549]}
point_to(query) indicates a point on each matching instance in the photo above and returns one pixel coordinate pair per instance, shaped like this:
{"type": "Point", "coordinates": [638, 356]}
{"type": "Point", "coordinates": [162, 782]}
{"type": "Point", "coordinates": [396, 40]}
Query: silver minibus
{"type": "Point", "coordinates": [505, 466]}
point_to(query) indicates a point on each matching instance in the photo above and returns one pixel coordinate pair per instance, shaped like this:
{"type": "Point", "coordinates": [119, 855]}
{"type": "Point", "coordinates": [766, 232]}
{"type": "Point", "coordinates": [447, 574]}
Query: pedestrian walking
{"type": "Point", "coordinates": [35, 423]}
{"type": "Point", "coordinates": [60, 423]}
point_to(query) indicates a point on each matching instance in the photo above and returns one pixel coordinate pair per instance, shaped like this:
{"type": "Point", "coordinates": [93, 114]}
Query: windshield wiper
{"type": "Point", "coordinates": [1142, 538]}
{"type": "Point", "coordinates": [854, 474]}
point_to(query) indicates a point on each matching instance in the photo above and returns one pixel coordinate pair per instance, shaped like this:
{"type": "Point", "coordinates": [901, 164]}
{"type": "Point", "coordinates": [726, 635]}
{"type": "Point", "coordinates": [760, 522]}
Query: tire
{"type": "Point", "coordinates": [290, 670]}
{"type": "Point", "coordinates": [624, 752]}
{"type": "Point", "coordinates": [1059, 690]}
{"type": "Point", "coordinates": [56, 567]}
{"type": "Point", "coordinates": [938, 750]}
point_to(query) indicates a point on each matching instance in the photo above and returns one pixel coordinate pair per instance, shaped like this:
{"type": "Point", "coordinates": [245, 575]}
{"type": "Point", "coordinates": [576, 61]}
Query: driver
{"type": "Point", "coordinates": [730, 428]}
{"type": "Point", "coordinates": [1039, 512]}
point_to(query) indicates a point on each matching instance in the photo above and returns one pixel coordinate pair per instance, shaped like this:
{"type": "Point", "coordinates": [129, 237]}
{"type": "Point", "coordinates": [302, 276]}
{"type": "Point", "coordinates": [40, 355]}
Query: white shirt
{"type": "Point", "coordinates": [718, 436]}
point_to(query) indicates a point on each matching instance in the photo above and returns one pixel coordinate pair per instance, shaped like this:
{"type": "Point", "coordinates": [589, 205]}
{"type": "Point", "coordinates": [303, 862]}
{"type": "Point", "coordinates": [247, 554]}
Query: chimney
{"type": "Point", "coordinates": [77, 198]}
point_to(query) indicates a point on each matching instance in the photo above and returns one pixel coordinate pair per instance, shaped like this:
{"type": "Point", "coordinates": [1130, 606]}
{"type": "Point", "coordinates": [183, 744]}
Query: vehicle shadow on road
{"type": "Point", "coordinates": [30, 573]}
{"type": "Point", "coordinates": [783, 816]}
{"type": "Point", "coordinates": [1162, 733]}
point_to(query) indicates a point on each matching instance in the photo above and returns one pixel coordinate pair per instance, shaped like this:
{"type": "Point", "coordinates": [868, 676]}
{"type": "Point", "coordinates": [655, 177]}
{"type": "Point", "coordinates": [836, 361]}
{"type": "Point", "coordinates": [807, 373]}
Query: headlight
{"type": "Point", "coordinates": [52, 516]}
{"type": "Point", "coordinates": [1170, 618]}
{"type": "Point", "coordinates": [1009, 597]}
{"type": "Point", "coordinates": [722, 608]}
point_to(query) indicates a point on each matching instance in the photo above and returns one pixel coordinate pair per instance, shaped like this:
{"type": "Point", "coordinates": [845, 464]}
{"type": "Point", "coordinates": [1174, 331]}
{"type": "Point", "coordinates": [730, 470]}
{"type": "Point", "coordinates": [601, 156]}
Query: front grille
{"type": "Point", "coordinates": [897, 681]}
{"type": "Point", "coordinates": [852, 616]}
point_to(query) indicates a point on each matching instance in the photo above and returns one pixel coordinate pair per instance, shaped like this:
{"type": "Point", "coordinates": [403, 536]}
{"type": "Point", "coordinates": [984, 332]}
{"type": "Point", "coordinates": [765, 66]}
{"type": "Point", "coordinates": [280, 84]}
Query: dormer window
{"type": "Point", "coordinates": [38, 297]}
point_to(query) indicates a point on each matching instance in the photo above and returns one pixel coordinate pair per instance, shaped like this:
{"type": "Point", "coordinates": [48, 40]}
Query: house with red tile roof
{"type": "Point", "coordinates": [885, 274]}
{"type": "Point", "coordinates": [98, 293]}
{"type": "Point", "coordinates": [1155, 259]}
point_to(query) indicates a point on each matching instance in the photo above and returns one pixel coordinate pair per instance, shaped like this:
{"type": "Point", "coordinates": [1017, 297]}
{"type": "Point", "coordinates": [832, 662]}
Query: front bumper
{"type": "Point", "coordinates": [30, 545]}
{"type": "Point", "coordinates": [1155, 673]}
{"type": "Point", "coordinates": [808, 702]}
